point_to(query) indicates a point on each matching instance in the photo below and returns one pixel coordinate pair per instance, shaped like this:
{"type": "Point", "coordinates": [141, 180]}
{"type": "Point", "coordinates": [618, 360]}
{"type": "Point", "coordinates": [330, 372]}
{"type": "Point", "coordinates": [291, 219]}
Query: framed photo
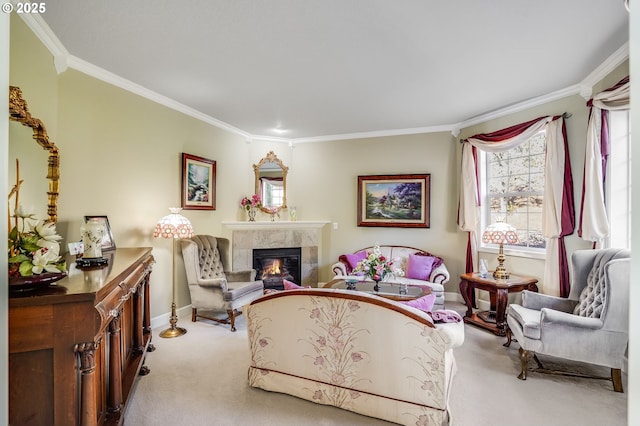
{"type": "Point", "coordinates": [394, 200]}
{"type": "Point", "coordinates": [198, 183]}
{"type": "Point", "coordinates": [107, 242]}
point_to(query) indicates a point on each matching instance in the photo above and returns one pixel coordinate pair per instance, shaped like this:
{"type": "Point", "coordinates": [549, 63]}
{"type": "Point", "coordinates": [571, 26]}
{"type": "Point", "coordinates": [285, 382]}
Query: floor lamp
{"type": "Point", "coordinates": [173, 226]}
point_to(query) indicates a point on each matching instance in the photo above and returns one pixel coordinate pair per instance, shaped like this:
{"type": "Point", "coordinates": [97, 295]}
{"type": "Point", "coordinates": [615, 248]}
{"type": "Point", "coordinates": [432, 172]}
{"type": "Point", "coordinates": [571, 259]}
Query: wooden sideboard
{"type": "Point", "coordinates": [76, 348]}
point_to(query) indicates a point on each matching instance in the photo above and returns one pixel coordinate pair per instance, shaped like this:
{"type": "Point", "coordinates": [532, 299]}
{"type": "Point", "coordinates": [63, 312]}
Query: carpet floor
{"type": "Point", "coordinates": [201, 379]}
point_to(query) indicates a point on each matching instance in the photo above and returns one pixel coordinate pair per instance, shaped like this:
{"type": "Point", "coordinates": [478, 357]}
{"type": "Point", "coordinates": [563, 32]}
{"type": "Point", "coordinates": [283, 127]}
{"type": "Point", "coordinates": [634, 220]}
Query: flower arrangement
{"type": "Point", "coordinates": [250, 204]}
{"type": "Point", "coordinates": [253, 202]}
{"type": "Point", "coordinates": [376, 266]}
{"type": "Point", "coordinates": [33, 247]}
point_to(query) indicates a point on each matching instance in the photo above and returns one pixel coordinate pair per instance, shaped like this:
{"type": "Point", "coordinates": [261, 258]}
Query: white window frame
{"type": "Point", "coordinates": [528, 252]}
{"type": "Point", "coordinates": [618, 181]}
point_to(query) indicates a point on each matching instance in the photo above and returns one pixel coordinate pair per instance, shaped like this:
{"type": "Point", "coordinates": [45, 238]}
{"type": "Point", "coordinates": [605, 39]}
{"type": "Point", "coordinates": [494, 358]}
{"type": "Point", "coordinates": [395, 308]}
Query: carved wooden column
{"type": "Point", "coordinates": [88, 408]}
{"type": "Point", "coordinates": [138, 319]}
{"type": "Point", "coordinates": [115, 365]}
{"type": "Point", "coordinates": [147, 308]}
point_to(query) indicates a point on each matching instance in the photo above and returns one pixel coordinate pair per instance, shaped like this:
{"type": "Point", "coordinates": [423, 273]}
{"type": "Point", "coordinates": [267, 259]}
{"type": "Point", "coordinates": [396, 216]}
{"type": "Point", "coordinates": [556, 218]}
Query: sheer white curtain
{"type": "Point", "coordinates": [558, 213]}
{"type": "Point", "coordinates": [594, 224]}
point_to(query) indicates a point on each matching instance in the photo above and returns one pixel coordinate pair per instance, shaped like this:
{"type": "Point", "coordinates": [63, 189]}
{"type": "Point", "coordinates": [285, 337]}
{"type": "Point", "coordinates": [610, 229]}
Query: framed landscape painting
{"type": "Point", "coordinates": [394, 200]}
{"type": "Point", "coordinates": [198, 183]}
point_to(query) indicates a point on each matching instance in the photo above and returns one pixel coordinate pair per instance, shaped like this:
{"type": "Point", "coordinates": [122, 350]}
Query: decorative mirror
{"type": "Point", "coordinates": [271, 183]}
{"type": "Point", "coordinates": [19, 145]}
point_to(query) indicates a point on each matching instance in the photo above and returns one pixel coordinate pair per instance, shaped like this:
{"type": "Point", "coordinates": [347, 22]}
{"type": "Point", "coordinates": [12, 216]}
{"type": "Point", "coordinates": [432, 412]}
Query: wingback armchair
{"type": "Point", "coordinates": [590, 326]}
{"type": "Point", "coordinates": [212, 285]}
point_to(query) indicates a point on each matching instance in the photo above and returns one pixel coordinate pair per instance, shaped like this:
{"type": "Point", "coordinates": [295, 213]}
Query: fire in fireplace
{"type": "Point", "coordinates": [274, 265]}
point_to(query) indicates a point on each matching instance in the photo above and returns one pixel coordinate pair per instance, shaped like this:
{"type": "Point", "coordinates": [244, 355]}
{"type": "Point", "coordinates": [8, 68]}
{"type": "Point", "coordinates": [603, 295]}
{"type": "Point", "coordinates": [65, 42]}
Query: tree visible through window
{"type": "Point", "coordinates": [515, 190]}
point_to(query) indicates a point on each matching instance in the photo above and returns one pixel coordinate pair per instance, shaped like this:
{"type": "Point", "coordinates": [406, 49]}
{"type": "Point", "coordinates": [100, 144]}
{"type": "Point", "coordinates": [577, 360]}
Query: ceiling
{"type": "Point", "coordinates": [298, 69]}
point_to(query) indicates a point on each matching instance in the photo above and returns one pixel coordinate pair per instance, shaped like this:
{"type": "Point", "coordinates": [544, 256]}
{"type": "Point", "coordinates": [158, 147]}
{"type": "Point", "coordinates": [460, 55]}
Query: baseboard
{"type": "Point", "coordinates": [162, 321]}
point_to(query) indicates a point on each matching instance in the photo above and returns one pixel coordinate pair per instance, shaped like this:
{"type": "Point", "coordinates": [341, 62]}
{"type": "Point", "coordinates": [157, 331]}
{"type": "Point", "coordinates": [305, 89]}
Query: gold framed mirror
{"type": "Point", "coordinates": [19, 112]}
{"type": "Point", "coordinates": [271, 183]}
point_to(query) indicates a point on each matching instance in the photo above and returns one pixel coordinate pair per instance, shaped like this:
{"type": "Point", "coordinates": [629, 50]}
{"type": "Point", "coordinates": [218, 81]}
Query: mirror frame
{"type": "Point", "coordinates": [18, 111]}
{"type": "Point", "coordinates": [271, 157]}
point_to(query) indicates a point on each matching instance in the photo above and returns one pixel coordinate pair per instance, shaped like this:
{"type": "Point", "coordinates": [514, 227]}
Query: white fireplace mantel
{"type": "Point", "coordinates": [268, 225]}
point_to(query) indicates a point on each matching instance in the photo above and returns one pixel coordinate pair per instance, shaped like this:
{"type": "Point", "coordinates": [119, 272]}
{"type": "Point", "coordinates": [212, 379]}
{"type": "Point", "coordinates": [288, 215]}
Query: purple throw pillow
{"type": "Point", "coordinates": [290, 285]}
{"type": "Point", "coordinates": [353, 259]}
{"type": "Point", "coordinates": [424, 303]}
{"type": "Point", "coordinates": [420, 267]}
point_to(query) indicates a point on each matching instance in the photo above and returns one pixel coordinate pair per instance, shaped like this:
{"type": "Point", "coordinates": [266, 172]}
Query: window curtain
{"type": "Point", "coordinates": [594, 224]}
{"type": "Point", "coordinates": [558, 209]}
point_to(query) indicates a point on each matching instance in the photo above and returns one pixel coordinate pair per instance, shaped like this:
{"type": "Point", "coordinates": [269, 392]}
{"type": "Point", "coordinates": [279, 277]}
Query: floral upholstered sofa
{"type": "Point", "coordinates": [419, 268]}
{"type": "Point", "coordinates": [355, 351]}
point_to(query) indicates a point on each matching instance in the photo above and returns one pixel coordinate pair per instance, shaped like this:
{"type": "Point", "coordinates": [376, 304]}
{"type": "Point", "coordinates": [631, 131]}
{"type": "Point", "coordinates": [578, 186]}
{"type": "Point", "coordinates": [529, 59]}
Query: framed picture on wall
{"type": "Point", "coordinates": [198, 183]}
{"type": "Point", "coordinates": [394, 200]}
{"type": "Point", "coordinates": [107, 242]}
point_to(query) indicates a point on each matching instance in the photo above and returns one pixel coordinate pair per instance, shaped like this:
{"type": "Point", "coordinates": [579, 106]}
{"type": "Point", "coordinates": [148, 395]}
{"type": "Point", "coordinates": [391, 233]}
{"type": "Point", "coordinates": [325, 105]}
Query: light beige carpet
{"type": "Point", "coordinates": [201, 379]}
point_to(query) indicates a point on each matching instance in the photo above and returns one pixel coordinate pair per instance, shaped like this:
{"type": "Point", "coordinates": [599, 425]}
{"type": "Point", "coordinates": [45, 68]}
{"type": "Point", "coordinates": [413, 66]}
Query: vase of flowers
{"type": "Point", "coordinates": [34, 248]}
{"type": "Point", "coordinates": [377, 267]}
{"type": "Point", "coordinates": [251, 205]}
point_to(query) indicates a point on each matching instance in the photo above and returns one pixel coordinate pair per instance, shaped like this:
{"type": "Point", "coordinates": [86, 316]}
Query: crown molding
{"type": "Point", "coordinates": [610, 64]}
{"type": "Point", "coordinates": [376, 134]}
{"type": "Point", "coordinates": [48, 38]}
{"type": "Point", "coordinates": [521, 106]}
{"type": "Point", "coordinates": [111, 78]}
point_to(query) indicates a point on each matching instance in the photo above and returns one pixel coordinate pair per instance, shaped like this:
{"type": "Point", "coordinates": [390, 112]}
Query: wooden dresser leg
{"type": "Point", "coordinates": [232, 318]}
{"type": "Point", "coordinates": [616, 376]}
{"type": "Point", "coordinates": [525, 356]}
{"type": "Point", "coordinates": [88, 408]}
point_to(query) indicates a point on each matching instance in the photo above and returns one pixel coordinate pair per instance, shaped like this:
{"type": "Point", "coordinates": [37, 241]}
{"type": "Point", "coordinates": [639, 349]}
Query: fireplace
{"type": "Point", "coordinates": [275, 264]}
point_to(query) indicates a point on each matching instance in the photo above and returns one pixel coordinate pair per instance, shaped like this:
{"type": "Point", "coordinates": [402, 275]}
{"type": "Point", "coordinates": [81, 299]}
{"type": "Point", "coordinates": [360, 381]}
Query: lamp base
{"type": "Point", "coordinates": [173, 332]}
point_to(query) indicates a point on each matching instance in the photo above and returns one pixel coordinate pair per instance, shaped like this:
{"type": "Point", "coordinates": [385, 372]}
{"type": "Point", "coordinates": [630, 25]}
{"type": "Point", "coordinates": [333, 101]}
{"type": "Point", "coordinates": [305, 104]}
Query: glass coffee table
{"type": "Point", "coordinates": [389, 290]}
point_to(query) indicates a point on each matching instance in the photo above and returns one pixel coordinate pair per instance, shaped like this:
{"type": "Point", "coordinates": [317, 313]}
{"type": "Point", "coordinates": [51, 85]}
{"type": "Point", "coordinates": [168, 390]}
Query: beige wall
{"type": "Point", "coordinates": [120, 157]}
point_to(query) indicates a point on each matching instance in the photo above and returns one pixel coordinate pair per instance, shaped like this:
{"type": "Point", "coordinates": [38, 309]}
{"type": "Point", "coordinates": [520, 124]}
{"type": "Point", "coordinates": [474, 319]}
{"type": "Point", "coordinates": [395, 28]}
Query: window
{"type": "Point", "coordinates": [514, 191]}
{"type": "Point", "coordinates": [618, 181]}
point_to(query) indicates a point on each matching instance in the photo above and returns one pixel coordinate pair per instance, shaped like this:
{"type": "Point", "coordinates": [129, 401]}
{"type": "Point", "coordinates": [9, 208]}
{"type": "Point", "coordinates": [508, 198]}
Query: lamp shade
{"type": "Point", "coordinates": [174, 225]}
{"type": "Point", "coordinates": [500, 233]}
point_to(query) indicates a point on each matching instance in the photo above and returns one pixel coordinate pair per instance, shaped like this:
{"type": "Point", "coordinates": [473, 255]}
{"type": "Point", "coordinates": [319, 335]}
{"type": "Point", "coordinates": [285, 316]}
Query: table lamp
{"type": "Point", "coordinates": [173, 226]}
{"type": "Point", "coordinates": [500, 232]}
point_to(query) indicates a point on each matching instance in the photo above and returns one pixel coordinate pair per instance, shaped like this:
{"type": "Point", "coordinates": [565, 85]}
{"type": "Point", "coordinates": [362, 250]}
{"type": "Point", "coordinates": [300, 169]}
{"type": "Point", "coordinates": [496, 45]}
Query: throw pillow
{"type": "Point", "coordinates": [290, 285]}
{"type": "Point", "coordinates": [424, 303]}
{"type": "Point", "coordinates": [437, 260]}
{"type": "Point", "coordinates": [419, 267]}
{"type": "Point", "coordinates": [353, 259]}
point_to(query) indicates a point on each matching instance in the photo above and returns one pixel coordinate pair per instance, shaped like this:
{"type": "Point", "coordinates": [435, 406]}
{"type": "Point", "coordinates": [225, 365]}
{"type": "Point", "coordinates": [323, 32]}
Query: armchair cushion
{"type": "Point", "coordinates": [238, 289]}
{"type": "Point", "coordinates": [529, 320]}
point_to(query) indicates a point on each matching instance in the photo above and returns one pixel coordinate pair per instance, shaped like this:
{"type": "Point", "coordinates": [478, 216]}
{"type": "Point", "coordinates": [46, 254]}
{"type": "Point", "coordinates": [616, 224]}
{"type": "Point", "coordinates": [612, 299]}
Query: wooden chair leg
{"type": "Point", "coordinates": [194, 314]}
{"type": "Point", "coordinates": [232, 318]}
{"type": "Point", "coordinates": [506, 345]}
{"type": "Point", "coordinates": [616, 377]}
{"type": "Point", "coordinates": [525, 357]}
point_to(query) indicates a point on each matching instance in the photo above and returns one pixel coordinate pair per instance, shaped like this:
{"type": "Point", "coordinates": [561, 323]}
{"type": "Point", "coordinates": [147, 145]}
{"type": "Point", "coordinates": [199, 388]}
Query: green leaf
{"type": "Point", "coordinates": [13, 235]}
{"type": "Point", "coordinates": [26, 268]}
{"type": "Point", "coordinates": [62, 266]}
{"type": "Point", "coordinates": [18, 258]}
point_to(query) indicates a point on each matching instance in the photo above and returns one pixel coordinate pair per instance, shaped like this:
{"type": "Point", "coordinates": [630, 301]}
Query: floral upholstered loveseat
{"type": "Point", "coordinates": [419, 268]}
{"type": "Point", "coordinates": [355, 351]}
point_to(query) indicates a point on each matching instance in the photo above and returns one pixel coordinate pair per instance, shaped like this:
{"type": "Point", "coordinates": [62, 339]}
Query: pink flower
{"type": "Point", "coordinates": [423, 420]}
{"type": "Point", "coordinates": [315, 313]}
{"type": "Point", "coordinates": [355, 357]}
{"type": "Point", "coordinates": [321, 341]}
{"type": "Point", "coordinates": [354, 394]}
{"type": "Point", "coordinates": [317, 395]}
{"type": "Point", "coordinates": [319, 361]}
{"type": "Point", "coordinates": [353, 306]}
{"type": "Point", "coordinates": [337, 378]}
{"type": "Point", "coordinates": [263, 342]}
{"type": "Point", "coordinates": [335, 331]}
